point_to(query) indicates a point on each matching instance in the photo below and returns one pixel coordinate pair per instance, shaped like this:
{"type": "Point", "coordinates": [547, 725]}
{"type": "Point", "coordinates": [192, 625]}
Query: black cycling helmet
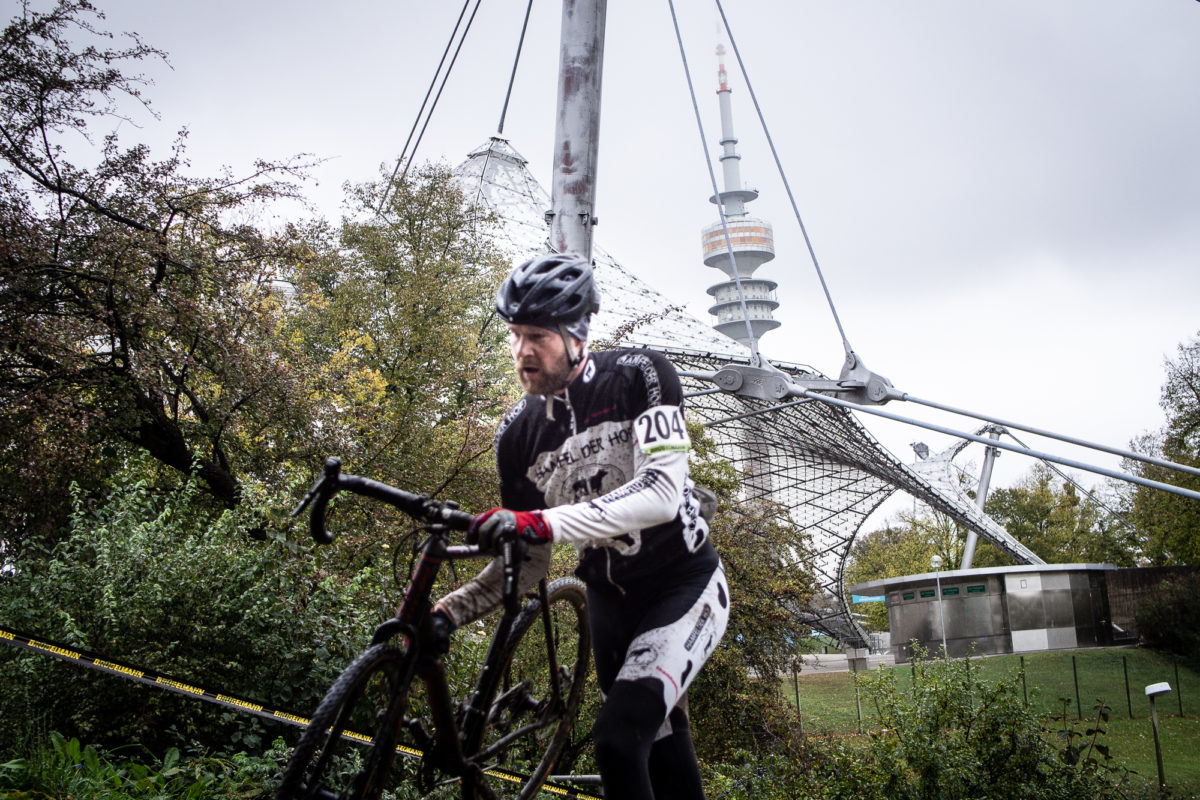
{"type": "Point", "coordinates": [549, 290]}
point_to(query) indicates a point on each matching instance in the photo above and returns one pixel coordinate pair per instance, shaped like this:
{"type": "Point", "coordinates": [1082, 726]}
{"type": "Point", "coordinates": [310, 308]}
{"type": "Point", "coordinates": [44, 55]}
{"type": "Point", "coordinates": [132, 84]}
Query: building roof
{"type": "Point", "coordinates": [814, 460]}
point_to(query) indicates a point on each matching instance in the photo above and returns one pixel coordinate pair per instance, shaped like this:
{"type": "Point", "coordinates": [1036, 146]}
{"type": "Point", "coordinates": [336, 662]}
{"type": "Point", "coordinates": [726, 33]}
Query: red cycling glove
{"type": "Point", "coordinates": [493, 526]}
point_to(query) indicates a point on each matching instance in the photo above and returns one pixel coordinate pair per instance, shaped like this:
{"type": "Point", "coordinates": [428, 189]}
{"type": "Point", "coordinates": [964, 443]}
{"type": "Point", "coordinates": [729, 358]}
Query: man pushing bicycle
{"type": "Point", "coordinates": [596, 454]}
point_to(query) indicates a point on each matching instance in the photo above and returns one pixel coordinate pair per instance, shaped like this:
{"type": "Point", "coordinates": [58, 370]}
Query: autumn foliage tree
{"type": "Point", "coordinates": [406, 367]}
{"type": "Point", "coordinates": [395, 313]}
{"type": "Point", "coordinates": [135, 300]}
{"type": "Point", "coordinates": [143, 309]}
{"type": "Point", "coordinates": [1170, 522]}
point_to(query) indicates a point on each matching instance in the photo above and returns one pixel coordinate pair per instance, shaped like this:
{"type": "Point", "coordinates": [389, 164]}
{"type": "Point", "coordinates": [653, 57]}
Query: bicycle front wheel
{"type": "Point", "coordinates": [543, 677]}
{"type": "Point", "coordinates": [347, 750]}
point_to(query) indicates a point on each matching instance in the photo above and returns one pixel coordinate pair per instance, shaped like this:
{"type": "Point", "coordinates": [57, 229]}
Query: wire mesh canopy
{"type": "Point", "coordinates": [815, 460]}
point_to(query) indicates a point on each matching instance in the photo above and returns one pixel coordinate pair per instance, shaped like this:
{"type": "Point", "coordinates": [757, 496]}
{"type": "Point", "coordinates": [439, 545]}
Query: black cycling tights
{"type": "Point", "coordinates": [633, 765]}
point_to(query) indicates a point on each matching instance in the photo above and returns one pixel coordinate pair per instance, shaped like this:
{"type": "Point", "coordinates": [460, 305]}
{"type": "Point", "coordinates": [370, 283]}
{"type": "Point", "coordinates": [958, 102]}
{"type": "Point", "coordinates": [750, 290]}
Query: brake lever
{"type": "Point", "coordinates": [321, 492]}
{"type": "Point", "coordinates": [308, 497]}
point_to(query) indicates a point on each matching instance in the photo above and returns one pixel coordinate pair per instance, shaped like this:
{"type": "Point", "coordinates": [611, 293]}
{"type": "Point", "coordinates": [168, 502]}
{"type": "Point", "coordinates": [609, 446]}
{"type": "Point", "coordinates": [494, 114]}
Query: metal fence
{"type": "Point", "coordinates": [1058, 684]}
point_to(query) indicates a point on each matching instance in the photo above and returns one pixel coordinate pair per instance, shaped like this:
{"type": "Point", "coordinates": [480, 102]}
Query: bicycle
{"type": "Point", "coordinates": [504, 739]}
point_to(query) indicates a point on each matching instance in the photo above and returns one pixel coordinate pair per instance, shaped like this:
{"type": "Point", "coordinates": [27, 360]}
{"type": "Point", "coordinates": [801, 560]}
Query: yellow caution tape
{"type": "Point", "coordinates": [149, 678]}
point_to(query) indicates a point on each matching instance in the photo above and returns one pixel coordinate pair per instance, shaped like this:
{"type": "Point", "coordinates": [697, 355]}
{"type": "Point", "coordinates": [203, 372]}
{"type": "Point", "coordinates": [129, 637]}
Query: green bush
{"type": "Point", "coordinates": [162, 580]}
{"type": "Point", "coordinates": [948, 737]}
{"type": "Point", "coordinates": [951, 735]}
{"type": "Point", "coordinates": [1170, 621]}
{"type": "Point", "coordinates": [61, 767]}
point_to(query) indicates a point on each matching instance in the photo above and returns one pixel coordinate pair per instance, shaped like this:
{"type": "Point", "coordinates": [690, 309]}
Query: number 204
{"type": "Point", "coordinates": [661, 425]}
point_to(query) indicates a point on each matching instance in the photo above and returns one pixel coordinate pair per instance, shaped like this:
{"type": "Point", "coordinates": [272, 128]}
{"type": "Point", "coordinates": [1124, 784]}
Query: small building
{"type": "Point", "coordinates": [994, 610]}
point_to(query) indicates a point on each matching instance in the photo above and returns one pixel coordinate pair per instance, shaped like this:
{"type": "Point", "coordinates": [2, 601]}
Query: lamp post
{"type": "Point", "coordinates": [936, 563]}
{"type": "Point", "coordinates": [1153, 691]}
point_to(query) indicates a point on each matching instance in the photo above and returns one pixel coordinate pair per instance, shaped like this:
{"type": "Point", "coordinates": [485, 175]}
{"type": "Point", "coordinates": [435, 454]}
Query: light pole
{"type": "Point", "coordinates": [936, 563]}
{"type": "Point", "coordinates": [1153, 691]}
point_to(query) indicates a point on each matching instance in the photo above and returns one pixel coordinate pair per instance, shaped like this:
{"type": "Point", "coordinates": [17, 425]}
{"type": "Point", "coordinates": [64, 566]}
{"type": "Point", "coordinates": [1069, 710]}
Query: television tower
{"type": "Point", "coordinates": [752, 241]}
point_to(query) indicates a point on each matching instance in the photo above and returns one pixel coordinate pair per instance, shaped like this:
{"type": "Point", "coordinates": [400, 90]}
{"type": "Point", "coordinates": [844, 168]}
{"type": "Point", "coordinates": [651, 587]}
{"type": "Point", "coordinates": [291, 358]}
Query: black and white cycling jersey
{"type": "Point", "coordinates": [607, 461]}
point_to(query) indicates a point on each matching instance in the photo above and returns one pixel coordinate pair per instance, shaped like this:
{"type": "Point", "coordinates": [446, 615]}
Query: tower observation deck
{"type": "Point", "coordinates": [750, 243]}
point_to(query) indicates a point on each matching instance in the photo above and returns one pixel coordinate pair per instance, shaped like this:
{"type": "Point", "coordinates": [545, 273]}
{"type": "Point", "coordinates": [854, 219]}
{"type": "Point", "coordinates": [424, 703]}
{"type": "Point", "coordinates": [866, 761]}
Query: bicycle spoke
{"type": "Point", "coordinates": [348, 748]}
{"type": "Point", "coordinates": [531, 715]}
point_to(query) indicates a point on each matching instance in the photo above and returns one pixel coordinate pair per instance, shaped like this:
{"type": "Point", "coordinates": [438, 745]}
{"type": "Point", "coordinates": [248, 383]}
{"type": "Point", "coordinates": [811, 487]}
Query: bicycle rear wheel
{"type": "Point", "coordinates": [348, 747]}
{"type": "Point", "coordinates": [528, 722]}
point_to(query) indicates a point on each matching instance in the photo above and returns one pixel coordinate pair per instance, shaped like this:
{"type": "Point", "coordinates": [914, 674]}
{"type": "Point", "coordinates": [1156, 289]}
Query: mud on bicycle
{"type": "Point", "coordinates": [503, 739]}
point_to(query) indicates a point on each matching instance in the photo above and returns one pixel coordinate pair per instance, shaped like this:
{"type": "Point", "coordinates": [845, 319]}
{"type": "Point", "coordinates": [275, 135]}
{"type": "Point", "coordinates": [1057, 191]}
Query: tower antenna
{"type": "Point", "coordinates": [738, 244]}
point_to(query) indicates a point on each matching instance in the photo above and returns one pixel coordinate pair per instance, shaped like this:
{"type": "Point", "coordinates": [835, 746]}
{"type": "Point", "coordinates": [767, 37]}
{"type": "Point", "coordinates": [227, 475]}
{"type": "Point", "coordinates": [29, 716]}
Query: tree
{"type": "Point", "coordinates": [904, 547]}
{"type": "Point", "coordinates": [765, 555]}
{"type": "Point", "coordinates": [1170, 619]}
{"type": "Point", "coordinates": [135, 301]}
{"type": "Point", "coordinates": [407, 372]}
{"type": "Point", "coordinates": [141, 311]}
{"type": "Point", "coordinates": [1170, 522]}
{"type": "Point", "coordinates": [1049, 515]}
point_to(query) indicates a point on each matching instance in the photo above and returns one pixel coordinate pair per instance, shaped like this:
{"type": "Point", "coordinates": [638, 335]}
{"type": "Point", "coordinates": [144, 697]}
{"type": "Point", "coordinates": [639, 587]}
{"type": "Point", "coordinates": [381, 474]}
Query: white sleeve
{"type": "Point", "coordinates": [651, 497]}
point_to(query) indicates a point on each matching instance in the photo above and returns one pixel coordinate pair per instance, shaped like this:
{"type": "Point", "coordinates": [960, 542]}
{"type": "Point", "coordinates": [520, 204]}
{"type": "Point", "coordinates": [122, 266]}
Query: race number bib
{"type": "Point", "coordinates": [661, 429]}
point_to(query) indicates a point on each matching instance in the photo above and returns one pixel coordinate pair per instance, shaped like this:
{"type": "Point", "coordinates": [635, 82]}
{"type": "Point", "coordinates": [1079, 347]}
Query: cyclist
{"type": "Point", "coordinates": [596, 454]}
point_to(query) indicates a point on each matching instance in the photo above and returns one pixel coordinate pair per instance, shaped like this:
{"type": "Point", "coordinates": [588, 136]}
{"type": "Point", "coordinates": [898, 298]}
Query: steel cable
{"type": "Point", "coordinates": [406, 158]}
{"type": "Point", "coordinates": [712, 176]}
{"type": "Point", "coordinates": [812, 253]}
{"type": "Point", "coordinates": [512, 78]}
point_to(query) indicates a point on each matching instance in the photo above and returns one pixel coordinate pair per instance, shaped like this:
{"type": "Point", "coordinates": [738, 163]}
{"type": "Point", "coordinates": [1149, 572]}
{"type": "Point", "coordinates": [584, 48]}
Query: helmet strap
{"type": "Point", "coordinates": [573, 359]}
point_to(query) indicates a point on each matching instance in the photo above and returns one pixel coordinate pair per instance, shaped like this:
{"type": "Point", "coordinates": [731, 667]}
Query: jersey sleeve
{"type": "Point", "coordinates": [660, 443]}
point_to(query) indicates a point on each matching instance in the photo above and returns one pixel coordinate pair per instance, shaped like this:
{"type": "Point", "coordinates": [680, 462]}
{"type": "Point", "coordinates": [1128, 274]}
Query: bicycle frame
{"type": "Point", "coordinates": [453, 748]}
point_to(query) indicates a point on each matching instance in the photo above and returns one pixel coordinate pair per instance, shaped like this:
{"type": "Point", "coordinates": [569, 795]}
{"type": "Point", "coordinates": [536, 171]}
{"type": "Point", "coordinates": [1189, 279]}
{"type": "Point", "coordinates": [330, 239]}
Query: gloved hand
{"type": "Point", "coordinates": [491, 527]}
{"type": "Point", "coordinates": [442, 627]}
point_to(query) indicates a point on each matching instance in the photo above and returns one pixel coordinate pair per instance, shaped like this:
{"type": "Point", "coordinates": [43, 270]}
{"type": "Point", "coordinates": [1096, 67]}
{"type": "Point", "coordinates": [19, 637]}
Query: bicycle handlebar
{"type": "Point", "coordinates": [417, 506]}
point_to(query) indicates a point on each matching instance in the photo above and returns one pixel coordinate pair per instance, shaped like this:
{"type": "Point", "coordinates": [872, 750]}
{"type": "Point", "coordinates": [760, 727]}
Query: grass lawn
{"type": "Point", "coordinates": [828, 704]}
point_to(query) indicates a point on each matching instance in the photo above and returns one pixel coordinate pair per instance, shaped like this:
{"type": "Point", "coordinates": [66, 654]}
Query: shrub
{"type": "Point", "coordinates": [1170, 621]}
{"type": "Point", "coordinates": [165, 581]}
{"type": "Point", "coordinates": [950, 735]}
{"type": "Point", "coordinates": [946, 737]}
{"type": "Point", "coordinates": [60, 767]}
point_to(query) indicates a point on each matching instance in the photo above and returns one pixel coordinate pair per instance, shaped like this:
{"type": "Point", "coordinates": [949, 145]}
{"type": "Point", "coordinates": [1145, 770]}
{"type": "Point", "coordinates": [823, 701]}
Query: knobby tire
{"type": "Point", "coordinates": [523, 699]}
{"type": "Point", "coordinates": [368, 699]}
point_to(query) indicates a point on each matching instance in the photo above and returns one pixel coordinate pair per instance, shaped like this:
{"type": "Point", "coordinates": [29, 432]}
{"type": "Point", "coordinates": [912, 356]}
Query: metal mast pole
{"type": "Point", "coordinates": [985, 481]}
{"type": "Point", "coordinates": [577, 129]}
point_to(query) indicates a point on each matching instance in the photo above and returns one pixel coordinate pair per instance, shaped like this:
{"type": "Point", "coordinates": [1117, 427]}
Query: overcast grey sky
{"type": "Point", "coordinates": [1004, 196]}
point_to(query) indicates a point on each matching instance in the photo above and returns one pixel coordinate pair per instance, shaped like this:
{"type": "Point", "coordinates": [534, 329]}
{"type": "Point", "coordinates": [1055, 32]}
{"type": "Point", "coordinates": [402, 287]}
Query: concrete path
{"type": "Point", "coordinates": [837, 662]}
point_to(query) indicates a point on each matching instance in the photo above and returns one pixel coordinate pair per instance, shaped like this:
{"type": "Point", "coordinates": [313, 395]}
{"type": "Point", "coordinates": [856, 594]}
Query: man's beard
{"type": "Point", "coordinates": [547, 380]}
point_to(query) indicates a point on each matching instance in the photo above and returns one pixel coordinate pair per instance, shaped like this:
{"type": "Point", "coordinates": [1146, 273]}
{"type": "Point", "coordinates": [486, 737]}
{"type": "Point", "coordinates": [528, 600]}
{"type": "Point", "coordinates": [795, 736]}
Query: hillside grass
{"type": "Point", "coordinates": [828, 704]}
